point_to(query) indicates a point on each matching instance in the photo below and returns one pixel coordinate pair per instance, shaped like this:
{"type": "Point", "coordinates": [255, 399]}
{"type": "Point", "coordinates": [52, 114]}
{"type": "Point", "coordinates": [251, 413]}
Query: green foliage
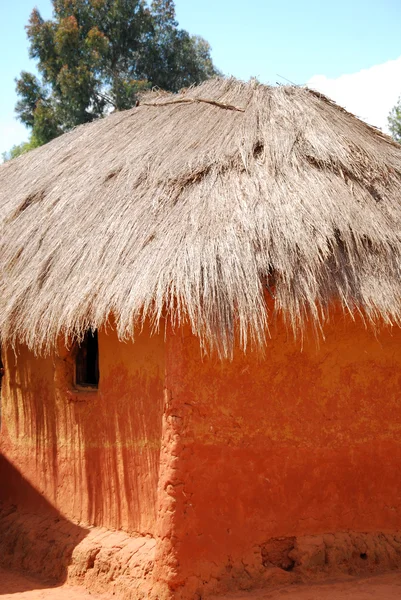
{"type": "Point", "coordinates": [95, 56]}
{"type": "Point", "coordinates": [19, 149]}
{"type": "Point", "coordinates": [394, 121]}
{"type": "Point", "coordinates": [30, 92]}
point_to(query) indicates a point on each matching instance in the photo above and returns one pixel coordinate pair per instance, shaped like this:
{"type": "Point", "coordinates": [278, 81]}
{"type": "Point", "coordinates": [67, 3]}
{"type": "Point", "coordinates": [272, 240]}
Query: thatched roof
{"type": "Point", "coordinates": [190, 208]}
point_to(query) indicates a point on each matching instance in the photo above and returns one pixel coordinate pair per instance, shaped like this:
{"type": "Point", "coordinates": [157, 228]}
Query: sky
{"type": "Point", "coordinates": [348, 49]}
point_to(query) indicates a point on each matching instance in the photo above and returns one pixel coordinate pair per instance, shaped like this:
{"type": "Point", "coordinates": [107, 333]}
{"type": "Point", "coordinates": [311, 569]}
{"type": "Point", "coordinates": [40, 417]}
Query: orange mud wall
{"type": "Point", "coordinates": [230, 466]}
{"type": "Point", "coordinates": [94, 456]}
{"type": "Point", "coordinates": [305, 441]}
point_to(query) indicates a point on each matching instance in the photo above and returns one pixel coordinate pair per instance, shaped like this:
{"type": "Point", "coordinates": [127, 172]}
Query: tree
{"type": "Point", "coordinates": [95, 56]}
{"type": "Point", "coordinates": [394, 121]}
{"type": "Point", "coordinates": [174, 59]}
{"type": "Point", "coordinates": [19, 149]}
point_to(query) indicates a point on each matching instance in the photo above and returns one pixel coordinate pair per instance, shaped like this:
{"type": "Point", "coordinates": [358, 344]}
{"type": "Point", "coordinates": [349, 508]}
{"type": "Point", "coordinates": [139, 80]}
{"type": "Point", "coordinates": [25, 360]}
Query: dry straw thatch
{"type": "Point", "coordinates": [190, 208]}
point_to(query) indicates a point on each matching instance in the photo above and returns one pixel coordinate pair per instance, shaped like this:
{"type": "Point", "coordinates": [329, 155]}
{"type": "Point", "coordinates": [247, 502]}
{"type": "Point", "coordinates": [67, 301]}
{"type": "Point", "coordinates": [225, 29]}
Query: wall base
{"type": "Point", "coordinates": [56, 550]}
{"type": "Point", "coordinates": [101, 560]}
{"type": "Point", "coordinates": [288, 560]}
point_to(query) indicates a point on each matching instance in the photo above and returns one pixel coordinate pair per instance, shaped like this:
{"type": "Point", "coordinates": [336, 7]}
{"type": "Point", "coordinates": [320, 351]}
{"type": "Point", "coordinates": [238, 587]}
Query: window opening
{"type": "Point", "coordinates": [1, 369]}
{"type": "Point", "coordinates": [1, 378]}
{"type": "Point", "coordinates": [87, 361]}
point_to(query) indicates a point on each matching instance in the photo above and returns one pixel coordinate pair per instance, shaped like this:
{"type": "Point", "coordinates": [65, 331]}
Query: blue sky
{"type": "Point", "coordinates": [351, 50]}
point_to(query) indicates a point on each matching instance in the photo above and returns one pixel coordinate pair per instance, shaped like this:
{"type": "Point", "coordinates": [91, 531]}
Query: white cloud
{"type": "Point", "coordinates": [370, 94]}
{"type": "Point", "coordinates": [11, 132]}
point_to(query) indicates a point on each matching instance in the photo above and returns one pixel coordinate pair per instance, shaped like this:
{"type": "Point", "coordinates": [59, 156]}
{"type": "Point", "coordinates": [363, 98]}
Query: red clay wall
{"type": "Point", "coordinates": [93, 456]}
{"type": "Point", "coordinates": [305, 441]}
{"type": "Point", "coordinates": [229, 465]}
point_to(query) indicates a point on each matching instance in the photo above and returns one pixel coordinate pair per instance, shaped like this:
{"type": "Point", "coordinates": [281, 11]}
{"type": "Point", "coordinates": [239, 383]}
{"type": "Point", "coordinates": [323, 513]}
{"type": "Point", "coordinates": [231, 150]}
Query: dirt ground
{"type": "Point", "coordinates": [15, 586]}
{"type": "Point", "coordinates": [379, 587]}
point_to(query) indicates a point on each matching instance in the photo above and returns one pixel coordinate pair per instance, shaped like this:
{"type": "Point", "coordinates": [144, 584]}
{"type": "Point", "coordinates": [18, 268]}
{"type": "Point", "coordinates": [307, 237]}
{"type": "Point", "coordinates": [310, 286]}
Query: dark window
{"type": "Point", "coordinates": [1, 377]}
{"type": "Point", "coordinates": [87, 361]}
{"type": "Point", "coordinates": [1, 369]}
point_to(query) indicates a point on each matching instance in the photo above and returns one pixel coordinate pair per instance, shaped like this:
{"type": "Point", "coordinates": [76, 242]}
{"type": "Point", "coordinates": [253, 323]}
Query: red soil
{"type": "Point", "coordinates": [380, 587]}
{"type": "Point", "coordinates": [15, 586]}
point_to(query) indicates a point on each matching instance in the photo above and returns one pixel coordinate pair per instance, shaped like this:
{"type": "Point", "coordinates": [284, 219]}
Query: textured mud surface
{"type": "Point", "coordinates": [379, 587]}
{"type": "Point", "coordinates": [15, 586]}
{"type": "Point", "coordinates": [103, 561]}
{"type": "Point", "coordinates": [315, 562]}
{"type": "Point", "coordinates": [55, 550]}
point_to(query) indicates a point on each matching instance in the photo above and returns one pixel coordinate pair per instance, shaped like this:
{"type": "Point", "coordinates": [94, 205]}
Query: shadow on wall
{"type": "Point", "coordinates": [122, 470]}
{"type": "Point", "coordinates": [39, 542]}
{"type": "Point", "coordinates": [94, 455]}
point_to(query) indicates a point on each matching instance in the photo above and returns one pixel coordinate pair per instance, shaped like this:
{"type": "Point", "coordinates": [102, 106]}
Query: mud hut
{"type": "Point", "coordinates": [199, 316]}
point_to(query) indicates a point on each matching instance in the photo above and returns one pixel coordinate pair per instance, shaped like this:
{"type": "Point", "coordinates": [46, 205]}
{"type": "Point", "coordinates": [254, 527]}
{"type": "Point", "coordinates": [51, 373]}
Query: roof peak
{"type": "Point", "coordinates": [188, 210]}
